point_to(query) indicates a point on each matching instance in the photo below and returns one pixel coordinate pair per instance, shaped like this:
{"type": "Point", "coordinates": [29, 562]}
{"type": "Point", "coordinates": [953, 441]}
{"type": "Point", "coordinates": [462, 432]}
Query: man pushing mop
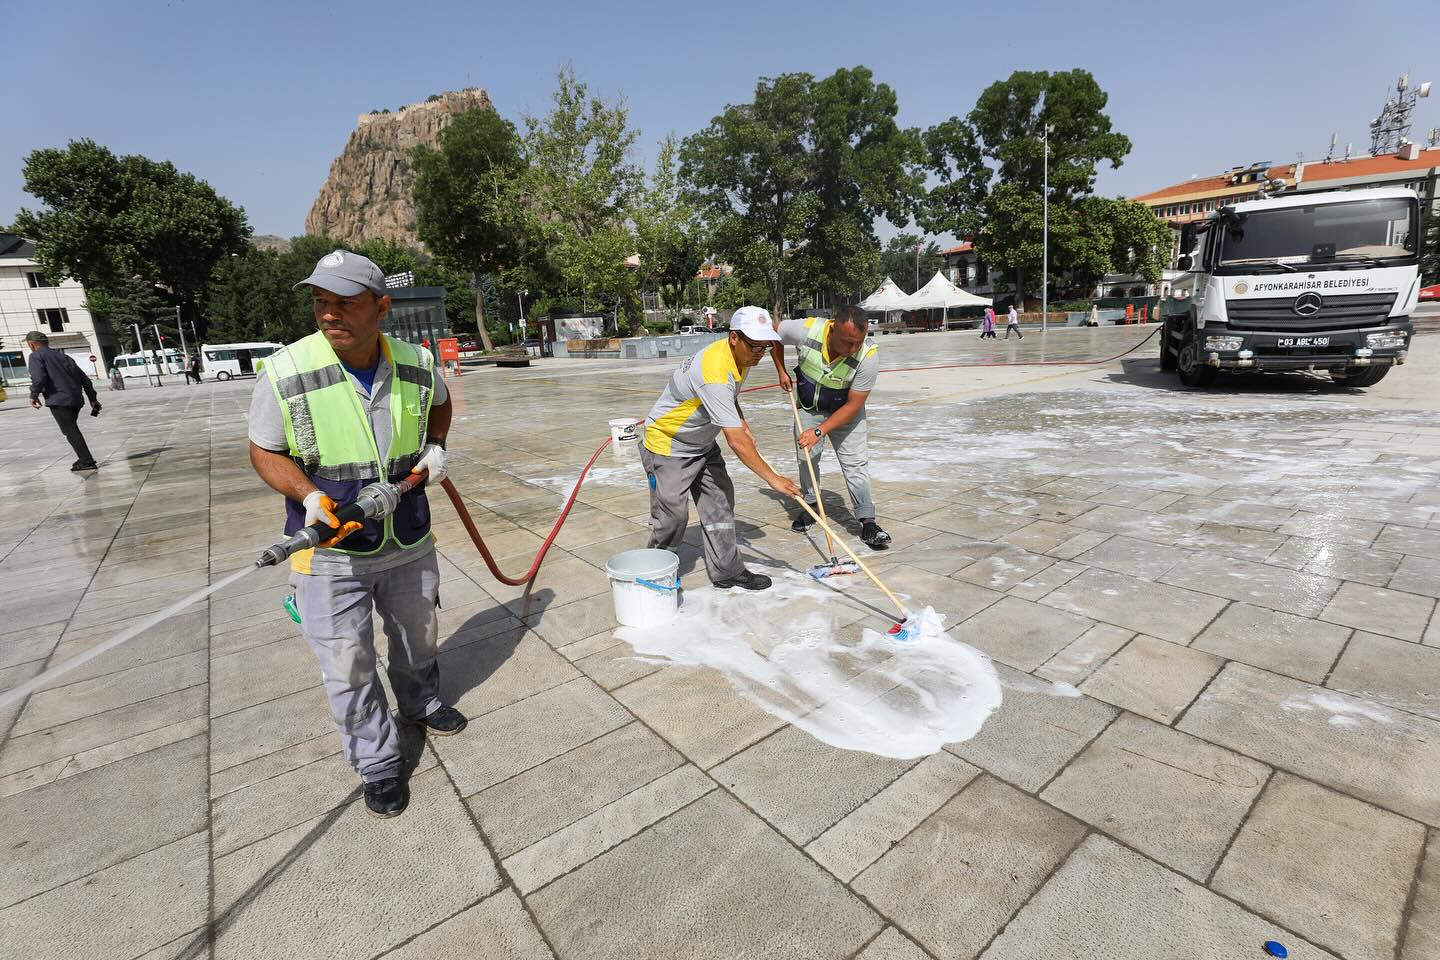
{"type": "Point", "coordinates": [838, 368]}
{"type": "Point", "coordinates": [682, 458]}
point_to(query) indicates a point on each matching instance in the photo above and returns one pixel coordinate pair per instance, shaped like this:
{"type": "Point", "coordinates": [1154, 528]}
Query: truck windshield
{"type": "Point", "coordinates": [1362, 231]}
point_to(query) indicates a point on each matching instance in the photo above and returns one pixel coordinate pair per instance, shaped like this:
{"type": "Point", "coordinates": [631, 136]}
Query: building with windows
{"type": "Point", "coordinates": [964, 268]}
{"type": "Point", "coordinates": [1195, 199]}
{"type": "Point", "coordinates": [31, 301]}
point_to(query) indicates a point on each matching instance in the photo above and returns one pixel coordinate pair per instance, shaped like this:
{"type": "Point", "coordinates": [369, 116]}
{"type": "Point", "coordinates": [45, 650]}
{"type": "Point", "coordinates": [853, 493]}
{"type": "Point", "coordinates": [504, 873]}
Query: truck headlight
{"type": "Point", "coordinates": [1224, 343]}
{"type": "Point", "coordinates": [1385, 341]}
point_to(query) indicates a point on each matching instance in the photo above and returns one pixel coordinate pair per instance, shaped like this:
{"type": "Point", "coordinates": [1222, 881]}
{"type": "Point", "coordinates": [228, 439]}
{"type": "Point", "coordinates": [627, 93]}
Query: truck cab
{"type": "Point", "coordinates": [1315, 281]}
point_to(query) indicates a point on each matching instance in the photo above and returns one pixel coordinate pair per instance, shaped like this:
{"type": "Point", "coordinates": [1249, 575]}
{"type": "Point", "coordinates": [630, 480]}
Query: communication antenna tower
{"type": "Point", "coordinates": [1391, 128]}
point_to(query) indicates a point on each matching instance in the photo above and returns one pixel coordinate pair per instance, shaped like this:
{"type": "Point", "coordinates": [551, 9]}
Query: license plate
{"type": "Point", "coordinates": [1302, 342]}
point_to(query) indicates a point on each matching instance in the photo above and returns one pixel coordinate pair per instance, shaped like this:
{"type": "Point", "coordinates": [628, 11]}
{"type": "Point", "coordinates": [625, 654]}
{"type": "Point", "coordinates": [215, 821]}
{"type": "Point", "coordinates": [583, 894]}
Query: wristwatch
{"type": "Point", "coordinates": [818, 434]}
{"type": "Point", "coordinates": [438, 441]}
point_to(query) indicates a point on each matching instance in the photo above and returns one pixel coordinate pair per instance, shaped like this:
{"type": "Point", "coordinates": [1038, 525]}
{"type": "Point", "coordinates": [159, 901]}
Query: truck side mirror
{"type": "Point", "coordinates": [1185, 262]}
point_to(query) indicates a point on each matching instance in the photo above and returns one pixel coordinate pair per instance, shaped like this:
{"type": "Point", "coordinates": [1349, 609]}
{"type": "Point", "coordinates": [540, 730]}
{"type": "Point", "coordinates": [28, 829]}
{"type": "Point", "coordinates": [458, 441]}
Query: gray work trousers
{"type": "Point", "coordinates": [676, 480]}
{"type": "Point", "coordinates": [335, 617]}
{"type": "Point", "coordinates": [852, 449]}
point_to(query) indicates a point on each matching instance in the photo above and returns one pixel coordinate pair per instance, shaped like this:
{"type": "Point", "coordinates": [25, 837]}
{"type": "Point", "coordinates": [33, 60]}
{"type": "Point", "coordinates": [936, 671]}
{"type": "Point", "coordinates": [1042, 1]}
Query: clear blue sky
{"type": "Point", "coordinates": [257, 98]}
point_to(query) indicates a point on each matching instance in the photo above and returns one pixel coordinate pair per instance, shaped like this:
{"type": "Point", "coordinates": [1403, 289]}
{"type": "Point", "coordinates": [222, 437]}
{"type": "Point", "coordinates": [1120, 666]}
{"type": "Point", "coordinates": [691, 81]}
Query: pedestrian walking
{"type": "Point", "coordinates": [117, 379]}
{"type": "Point", "coordinates": [341, 408]}
{"type": "Point", "coordinates": [1012, 322]}
{"type": "Point", "coordinates": [58, 378]}
{"type": "Point", "coordinates": [682, 458]}
{"type": "Point", "coordinates": [194, 369]}
{"type": "Point", "coordinates": [987, 326]}
{"type": "Point", "coordinates": [838, 368]}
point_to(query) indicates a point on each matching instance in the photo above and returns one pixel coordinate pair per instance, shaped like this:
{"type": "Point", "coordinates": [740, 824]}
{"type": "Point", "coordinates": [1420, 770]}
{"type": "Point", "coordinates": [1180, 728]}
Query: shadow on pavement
{"type": "Point", "coordinates": [1146, 372]}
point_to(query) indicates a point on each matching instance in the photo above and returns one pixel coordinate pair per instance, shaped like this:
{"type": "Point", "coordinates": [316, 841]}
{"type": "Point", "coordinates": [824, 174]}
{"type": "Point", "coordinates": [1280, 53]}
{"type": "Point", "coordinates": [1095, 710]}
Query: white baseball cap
{"type": "Point", "coordinates": [754, 322]}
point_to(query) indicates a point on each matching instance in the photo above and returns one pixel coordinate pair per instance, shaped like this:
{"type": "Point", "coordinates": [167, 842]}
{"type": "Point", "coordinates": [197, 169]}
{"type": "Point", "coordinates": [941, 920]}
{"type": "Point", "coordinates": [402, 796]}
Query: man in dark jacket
{"type": "Point", "coordinates": [65, 386]}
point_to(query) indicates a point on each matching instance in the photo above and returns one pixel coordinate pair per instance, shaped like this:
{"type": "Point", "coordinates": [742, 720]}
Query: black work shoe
{"type": "Point", "coordinates": [803, 522]}
{"type": "Point", "coordinates": [873, 537]}
{"type": "Point", "coordinates": [746, 581]}
{"type": "Point", "coordinates": [83, 466]}
{"type": "Point", "coordinates": [444, 721]}
{"type": "Point", "coordinates": [387, 798]}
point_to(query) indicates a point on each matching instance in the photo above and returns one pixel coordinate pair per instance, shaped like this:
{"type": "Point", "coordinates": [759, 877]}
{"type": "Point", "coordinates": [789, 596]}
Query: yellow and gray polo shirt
{"type": "Point", "coordinates": [699, 401]}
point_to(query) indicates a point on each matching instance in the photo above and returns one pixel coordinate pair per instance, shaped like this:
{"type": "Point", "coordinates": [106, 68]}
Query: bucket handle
{"type": "Point", "coordinates": [659, 586]}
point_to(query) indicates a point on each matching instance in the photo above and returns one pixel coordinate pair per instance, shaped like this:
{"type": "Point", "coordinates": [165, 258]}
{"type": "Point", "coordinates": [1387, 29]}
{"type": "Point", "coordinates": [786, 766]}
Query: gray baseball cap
{"type": "Point", "coordinates": [347, 274]}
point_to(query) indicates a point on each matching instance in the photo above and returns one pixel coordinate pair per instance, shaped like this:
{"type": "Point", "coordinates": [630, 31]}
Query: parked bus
{"type": "Point", "coordinates": [143, 364]}
{"type": "Point", "coordinates": [225, 360]}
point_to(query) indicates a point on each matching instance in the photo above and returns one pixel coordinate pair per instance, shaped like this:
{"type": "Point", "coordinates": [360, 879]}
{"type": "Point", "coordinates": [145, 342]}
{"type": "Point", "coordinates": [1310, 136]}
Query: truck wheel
{"type": "Point", "coordinates": [1167, 348]}
{"type": "Point", "coordinates": [1363, 377]}
{"type": "Point", "coordinates": [223, 375]}
{"type": "Point", "coordinates": [1194, 371]}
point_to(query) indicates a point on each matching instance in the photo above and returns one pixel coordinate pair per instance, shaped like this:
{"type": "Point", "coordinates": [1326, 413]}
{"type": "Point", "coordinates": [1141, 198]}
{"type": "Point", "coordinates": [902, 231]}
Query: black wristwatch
{"type": "Point", "coordinates": [438, 441]}
{"type": "Point", "coordinates": [818, 434]}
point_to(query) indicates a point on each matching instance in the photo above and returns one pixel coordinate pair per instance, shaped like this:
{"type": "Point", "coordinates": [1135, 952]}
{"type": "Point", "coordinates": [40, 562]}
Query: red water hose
{"type": "Point", "coordinates": [459, 503]}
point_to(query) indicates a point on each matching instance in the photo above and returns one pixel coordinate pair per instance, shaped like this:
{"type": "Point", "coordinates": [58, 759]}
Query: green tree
{"type": "Point", "coordinates": [989, 168]}
{"type": "Point", "coordinates": [469, 206]}
{"type": "Point", "coordinates": [792, 182]}
{"type": "Point", "coordinates": [581, 186]}
{"type": "Point", "coordinates": [109, 219]}
{"type": "Point", "coordinates": [667, 232]}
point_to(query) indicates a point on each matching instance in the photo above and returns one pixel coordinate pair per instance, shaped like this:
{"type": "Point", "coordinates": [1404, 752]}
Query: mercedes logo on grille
{"type": "Point", "coordinates": [1307, 304]}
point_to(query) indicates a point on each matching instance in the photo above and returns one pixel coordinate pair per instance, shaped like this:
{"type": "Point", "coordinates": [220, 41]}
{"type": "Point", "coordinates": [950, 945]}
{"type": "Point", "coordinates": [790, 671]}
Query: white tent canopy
{"type": "Point", "coordinates": [940, 293]}
{"type": "Point", "coordinates": [887, 297]}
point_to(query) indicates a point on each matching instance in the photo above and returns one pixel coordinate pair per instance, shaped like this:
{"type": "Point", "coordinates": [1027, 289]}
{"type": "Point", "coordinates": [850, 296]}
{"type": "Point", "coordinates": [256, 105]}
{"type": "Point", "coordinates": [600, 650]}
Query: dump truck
{"type": "Point", "coordinates": [1296, 281]}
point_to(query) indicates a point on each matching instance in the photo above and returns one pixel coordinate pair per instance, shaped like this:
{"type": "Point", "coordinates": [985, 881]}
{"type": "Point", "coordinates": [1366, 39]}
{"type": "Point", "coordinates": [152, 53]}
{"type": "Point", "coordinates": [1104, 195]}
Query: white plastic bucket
{"type": "Point", "coordinates": [623, 430]}
{"type": "Point", "coordinates": [645, 586]}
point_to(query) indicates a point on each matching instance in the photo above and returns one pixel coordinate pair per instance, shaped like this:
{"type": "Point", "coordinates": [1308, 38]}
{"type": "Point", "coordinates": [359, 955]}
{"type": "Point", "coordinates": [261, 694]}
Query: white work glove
{"type": "Point", "coordinates": [319, 507]}
{"type": "Point", "coordinates": [432, 458]}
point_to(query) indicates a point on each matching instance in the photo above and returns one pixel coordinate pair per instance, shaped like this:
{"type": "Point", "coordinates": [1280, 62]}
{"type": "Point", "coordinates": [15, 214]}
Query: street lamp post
{"type": "Point", "coordinates": [520, 297]}
{"type": "Point", "coordinates": [184, 350]}
{"type": "Point", "coordinates": [1045, 237]}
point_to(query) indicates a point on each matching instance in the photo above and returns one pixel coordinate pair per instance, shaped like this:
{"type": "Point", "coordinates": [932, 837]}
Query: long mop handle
{"type": "Point", "coordinates": [861, 563]}
{"type": "Point", "coordinates": [814, 477]}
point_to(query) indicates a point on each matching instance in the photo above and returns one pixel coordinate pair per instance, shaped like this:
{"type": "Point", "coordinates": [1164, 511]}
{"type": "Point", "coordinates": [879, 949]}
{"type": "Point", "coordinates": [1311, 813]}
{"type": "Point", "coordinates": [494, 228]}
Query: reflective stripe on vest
{"type": "Point", "coordinates": [328, 431]}
{"type": "Point", "coordinates": [834, 376]}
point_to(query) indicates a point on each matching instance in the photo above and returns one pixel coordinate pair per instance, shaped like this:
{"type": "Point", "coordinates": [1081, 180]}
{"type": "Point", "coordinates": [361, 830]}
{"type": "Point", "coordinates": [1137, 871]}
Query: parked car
{"type": "Point", "coordinates": [467, 343]}
{"type": "Point", "coordinates": [1431, 292]}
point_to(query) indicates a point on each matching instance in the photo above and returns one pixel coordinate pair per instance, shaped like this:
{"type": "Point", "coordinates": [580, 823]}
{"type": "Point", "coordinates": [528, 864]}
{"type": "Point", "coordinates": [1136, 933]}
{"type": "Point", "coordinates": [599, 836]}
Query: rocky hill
{"type": "Point", "coordinates": [367, 194]}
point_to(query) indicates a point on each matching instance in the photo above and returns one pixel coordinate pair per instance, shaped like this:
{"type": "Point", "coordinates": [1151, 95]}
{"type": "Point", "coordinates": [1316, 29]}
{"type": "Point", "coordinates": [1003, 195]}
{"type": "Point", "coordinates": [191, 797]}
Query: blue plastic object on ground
{"type": "Point", "coordinates": [1276, 949]}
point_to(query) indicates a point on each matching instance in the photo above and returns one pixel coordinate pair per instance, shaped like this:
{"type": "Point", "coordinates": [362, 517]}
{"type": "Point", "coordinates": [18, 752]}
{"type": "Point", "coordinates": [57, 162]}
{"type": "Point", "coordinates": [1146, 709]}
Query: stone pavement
{"type": "Point", "coordinates": [1240, 583]}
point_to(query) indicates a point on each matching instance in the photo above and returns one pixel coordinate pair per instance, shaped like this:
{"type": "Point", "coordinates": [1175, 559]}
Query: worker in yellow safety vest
{"type": "Point", "coordinates": [838, 367]}
{"type": "Point", "coordinates": [341, 408]}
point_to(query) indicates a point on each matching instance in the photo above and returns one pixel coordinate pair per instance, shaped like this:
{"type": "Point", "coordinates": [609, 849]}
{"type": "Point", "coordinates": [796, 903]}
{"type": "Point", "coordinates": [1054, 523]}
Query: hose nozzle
{"type": "Point", "coordinates": [375, 500]}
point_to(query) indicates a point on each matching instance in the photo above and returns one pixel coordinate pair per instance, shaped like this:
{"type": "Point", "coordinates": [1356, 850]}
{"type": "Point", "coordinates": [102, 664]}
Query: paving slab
{"type": "Point", "coordinates": [53, 706]}
{"type": "Point", "coordinates": [1173, 797]}
{"type": "Point", "coordinates": [1378, 610]}
{"type": "Point", "coordinates": [497, 925]}
{"type": "Point", "coordinates": [579, 842]}
{"type": "Point", "coordinates": [1021, 633]}
{"type": "Point", "coordinates": [1356, 746]}
{"type": "Point", "coordinates": [105, 816]}
{"type": "Point", "coordinates": [800, 785]}
{"type": "Point", "coordinates": [959, 877]}
{"type": "Point", "coordinates": [265, 728]}
{"type": "Point", "coordinates": [1153, 678]}
{"type": "Point", "coordinates": [1084, 655]}
{"type": "Point", "coordinates": [891, 945]}
{"type": "Point", "coordinates": [1284, 643]}
{"type": "Point", "coordinates": [1306, 850]}
{"type": "Point", "coordinates": [1107, 901]}
{"type": "Point", "coordinates": [265, 893]}
{"type": "Point", "coordinates": [123, 910]}
{"type": "Point", "coordinates": [534, 804]}
{"type": "Point", "coordinates": [1167, 612]}
{"type": "Point", "coordinates": [1422, 931]}
{"type": "Point", "coordinates": [1400, 674]}
{"type": "Point", "coordinates": [522, 735]}
{"type": "Point", "coordinates": [866, 834]}
{"type": "Point", "coordinates": [758, 895]}
{"type": "Point", "coordinates": [698, 712]}
{"type": "Point", "coordinates": [1036, 730]}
